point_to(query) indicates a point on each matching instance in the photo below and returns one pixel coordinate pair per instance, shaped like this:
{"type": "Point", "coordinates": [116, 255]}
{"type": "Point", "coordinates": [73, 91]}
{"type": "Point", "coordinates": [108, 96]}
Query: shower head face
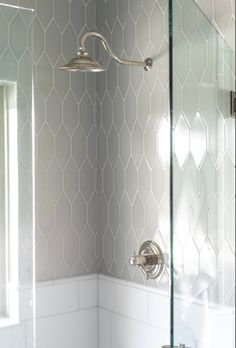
{"type": "Point", "coordinates": [82, 62]}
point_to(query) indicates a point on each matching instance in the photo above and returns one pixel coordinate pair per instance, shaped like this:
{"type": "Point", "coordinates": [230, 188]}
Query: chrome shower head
{"type": "Point", "coordinates": [82, 62]}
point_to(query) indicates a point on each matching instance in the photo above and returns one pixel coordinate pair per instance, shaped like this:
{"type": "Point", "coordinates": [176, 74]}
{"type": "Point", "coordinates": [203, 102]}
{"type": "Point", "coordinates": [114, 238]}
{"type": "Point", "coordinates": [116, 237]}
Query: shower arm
{"type": "Point", "coordinates": [147, 64]}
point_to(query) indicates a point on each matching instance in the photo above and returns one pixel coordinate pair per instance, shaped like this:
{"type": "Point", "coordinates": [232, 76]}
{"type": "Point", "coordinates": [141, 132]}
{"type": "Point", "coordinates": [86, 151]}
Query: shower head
{"type": "Point", "coordinates": [82, 62]}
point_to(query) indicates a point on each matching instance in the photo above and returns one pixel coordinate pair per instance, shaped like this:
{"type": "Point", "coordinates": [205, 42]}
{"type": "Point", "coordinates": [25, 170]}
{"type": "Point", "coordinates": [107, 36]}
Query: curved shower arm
{"type": "Point", "coordinates": [147, 64]}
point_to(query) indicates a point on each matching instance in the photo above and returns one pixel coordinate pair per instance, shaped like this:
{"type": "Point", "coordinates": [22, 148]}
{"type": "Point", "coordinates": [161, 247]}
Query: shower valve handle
{"type": "Point", "coordinates": [149, 259]}
{"type": "Point", "coordinates": [139, 260]}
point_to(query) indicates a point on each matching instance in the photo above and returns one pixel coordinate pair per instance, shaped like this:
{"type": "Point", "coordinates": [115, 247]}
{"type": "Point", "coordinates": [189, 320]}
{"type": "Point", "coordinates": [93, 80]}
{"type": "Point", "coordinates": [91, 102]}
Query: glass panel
{"type": "Point", "coordinates": [17, 233]}
{"type": "Point", "coordinates": [203, 160]}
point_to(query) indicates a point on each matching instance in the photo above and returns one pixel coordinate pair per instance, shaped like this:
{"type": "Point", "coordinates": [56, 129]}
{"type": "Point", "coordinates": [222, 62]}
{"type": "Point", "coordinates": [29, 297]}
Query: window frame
{"type": "Point", "coordinates": [9, 292]}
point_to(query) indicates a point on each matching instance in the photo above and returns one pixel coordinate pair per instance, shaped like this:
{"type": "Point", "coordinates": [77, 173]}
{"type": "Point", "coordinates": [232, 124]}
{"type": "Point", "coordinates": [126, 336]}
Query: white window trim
{"type": "Point", "coordinates": [11, 204]}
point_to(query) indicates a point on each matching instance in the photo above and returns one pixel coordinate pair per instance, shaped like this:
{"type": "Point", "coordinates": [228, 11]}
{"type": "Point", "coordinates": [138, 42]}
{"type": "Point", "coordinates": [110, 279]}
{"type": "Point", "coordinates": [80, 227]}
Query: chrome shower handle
{"type": "Point", "coordinates": [138, 260]}
{"type": "Point", "coordinates": [149, 259]}
{"type": "Point", "coordinates": [144, 260]}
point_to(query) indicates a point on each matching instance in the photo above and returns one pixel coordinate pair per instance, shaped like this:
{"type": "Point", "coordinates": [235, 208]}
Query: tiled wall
{"type": "Point", "coordinates": [204, 159]}
{"type": "Point", "coordinates": [30, 4]}
{"type": "Point", "coordinates": [222, 16]}
{"type": "Point", "coordinates": [140, 317]}
{"type": "Point", "coordinates": [82, 310]}
{"type": "Point", "coordinates": [66, 315]}
{"type": "Point", "coordinates": [133, 319]}
{"type": "Point", "coordinates": [133, 143]}
{"type": "Point", "coordinates": [15, 55]}
{"type": "Point", "coordinates": [66, 160]}
{"type": "Point", "coordinates": [132, 113]}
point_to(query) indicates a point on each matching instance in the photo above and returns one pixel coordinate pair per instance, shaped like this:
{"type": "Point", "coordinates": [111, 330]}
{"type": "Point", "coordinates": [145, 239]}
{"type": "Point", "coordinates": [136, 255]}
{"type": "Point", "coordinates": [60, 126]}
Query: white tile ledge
{"type": "Point", "coordinates": [133, 285]}
{"type": "Point", "coordinates": [67, 280]}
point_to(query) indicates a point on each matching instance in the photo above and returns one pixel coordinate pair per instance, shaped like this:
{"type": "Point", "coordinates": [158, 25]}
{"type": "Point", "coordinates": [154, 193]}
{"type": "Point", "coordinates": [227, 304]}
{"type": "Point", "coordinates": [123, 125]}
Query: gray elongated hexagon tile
{"type": "Point", "coordinates": [138, 215]}
{"type": "Point", "coordinates": [131, 180]}
{"type": "Point", "coordinates": [69, 43]}
{"type": "Point", "coordinates": [46, 215]}
{"type": "Point", "coordinates": [4, 31]}
{"type": "Point", "coordinates": [86, 113]}
{"type": "Point", "coordinates": [114, 214]}
{"type": "Point", "coordinates": [118, 38]}
{"type": "Point", "coordinates": [144, 180]}
{"type": "Point", "coordinates": [71, 181]}
{"type": "Point", "coordinates": [70, 113]}
{"type": "Point", "coordinates": [87, 180]}
{"type": "Point", "coordinates": [113, 147]}
{"type": "Point", "coordinates": [137, 144]}
{"type": "Point", "coordinates": [44, 77]}
{"type": "Point", "coordinates": [45, 146]}
{"type": "Point", "coordinates": [61, 13]}
{"type": "Point", "coordinates": [125, 145]}
{"type": "Point", "coordinates": [8, 69]}
{"type": "Point", "coordinates": [18, 29]}
{"type": "Point", "coordinates": [45, 11]}
{"type": "Point", "coordinates": [108, 180]}
{"type": "Point", "coordinates": [78, 142]}
{"type": "Point", "coordinates": [64, 150]}
{"type": "Point", "coordinates": [119, 179]}
{"type": "Point", "coordinates": [62, 146]}
{"type": "Point", "coordinates": [87, 247]}
{"type": "Point", "coordinates": [71, 248]}
{"type": "Point", "coordinates": [54, 180]}
{"type": "Point", "coordinates": [118, 111]}
{"type": "Point", "coordinates": [53, 42]}
{"type": "Point", "coordinates": [107, 113]}
{"type": "Point", "coordinates": [55, 251]}
{"type": "Point", "coordinates": [63, 215]}
{"type": "Point", "coordinates": [79, 214]}
{"type": "Point", "coordinates": [53, 112]}
{"type": "Point", "coordinates": [65, 135]}
{"type": "Point", "coordinates": [182, 60]}
{"type": "Point", "coordinates": [77, 15]}
{"type": "Point", "coordinates": [130, 108]}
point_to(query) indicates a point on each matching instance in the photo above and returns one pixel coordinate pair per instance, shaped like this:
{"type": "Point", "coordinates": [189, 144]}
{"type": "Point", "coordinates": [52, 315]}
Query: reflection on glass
{"type": "Point", "coordinates": [204, 144]}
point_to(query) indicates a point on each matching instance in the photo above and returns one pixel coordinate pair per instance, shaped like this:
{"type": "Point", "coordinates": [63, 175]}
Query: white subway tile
{"type": "Point", "coordinates": [13, 337]}
{"type": "Point", "coordinates": [128, 333]}
{"type": "Point", "coordinates": [159, 310]}
{"type": "Point", "coordinates": [125, 300]}
{"type": "Point", "coordinates": [71, 330]}
{"type": "Point", "coordinates": [57, 298]}
{"type": "Point", "coordinates": [87, 293]}
{"type": "Point", "coordinates": [26, 306]}
{"type": "Point", "coordinates": [104, 329]}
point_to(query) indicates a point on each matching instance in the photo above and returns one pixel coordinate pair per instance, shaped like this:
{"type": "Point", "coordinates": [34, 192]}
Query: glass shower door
{"type": "Point", "coordinates": [203, 182]}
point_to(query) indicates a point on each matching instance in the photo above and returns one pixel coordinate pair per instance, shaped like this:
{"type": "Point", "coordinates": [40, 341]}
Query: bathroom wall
{"type": "Point", "coordinates": [140, 317]}
{"type": "Point", "coordinates": [133, 133]}
{"type": "Point", "coordinates": [130, 109]}
{"type": "Point", "coordinates": [56, 27]}
{"type": "Point", "coordinates": [66, 160]}
{"type": "Point", "coordinates": [133, 142]}
{"type": "Point", "coordinates": [222, 16]}
{"type": "Point", "coordinates": [66, 145]}
{"type": "Point", "coordinates": [66, 313]}
{"type": "Point", "coordinates": [15, 55]}
{"type": "Point", "coordinates": [143, 99]}
{"type": "Point", "coordinates": [21, 3]}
